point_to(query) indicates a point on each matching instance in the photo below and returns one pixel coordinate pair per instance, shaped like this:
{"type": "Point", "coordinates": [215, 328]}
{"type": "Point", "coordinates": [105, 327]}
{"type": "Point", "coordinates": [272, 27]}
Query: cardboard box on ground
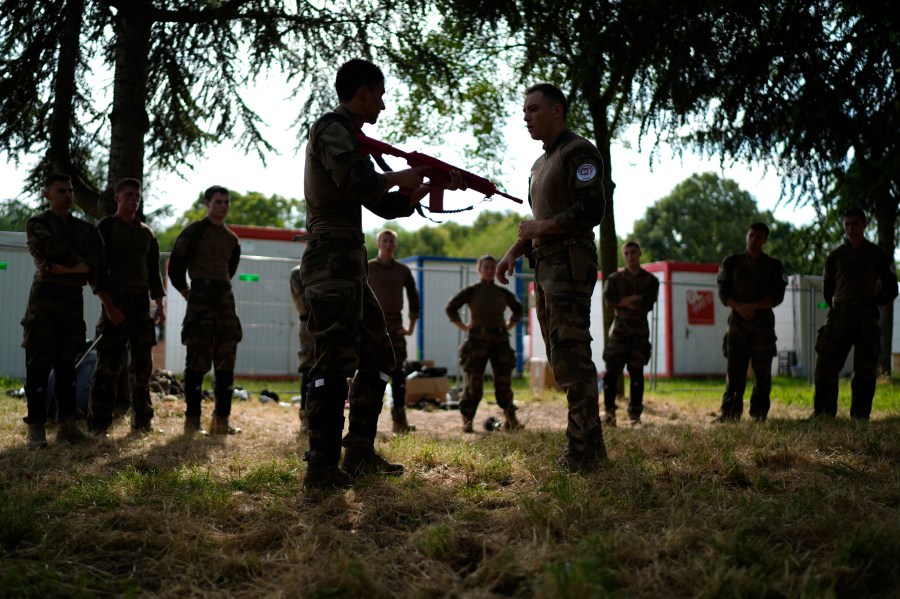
{"type": "Point", "coordinates": [428, 388]}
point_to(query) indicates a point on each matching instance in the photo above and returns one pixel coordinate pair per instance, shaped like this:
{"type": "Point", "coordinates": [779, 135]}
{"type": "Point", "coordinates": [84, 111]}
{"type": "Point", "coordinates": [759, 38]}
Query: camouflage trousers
{"type": "Point", "coordinates": [564, 282]}
{"type": "Point", "coordinates": [628, 345]}
{"type": "Point", "coordinates": [748, 342]}
{"type": "Point", "coordinates": [350, 336]}
{"type": "Point", "coordinates": [134, 338]}
{"type": "Point", "coordinates": [211, 329]}
{"type": "Point", "coordinates": [481, 345]}
{"type": "Point", "coordinates": [397, 333]}
{"type": "Point", "coordinates": [847, 326]}
{"type": "Point", "coordinates": [305, 356]}
{"type": "Point", "coordinates": [54, 333]}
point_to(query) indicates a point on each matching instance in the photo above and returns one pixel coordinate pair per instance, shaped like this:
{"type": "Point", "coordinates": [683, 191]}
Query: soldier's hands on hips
{"type": "Point", "coordinates": [114, 315]}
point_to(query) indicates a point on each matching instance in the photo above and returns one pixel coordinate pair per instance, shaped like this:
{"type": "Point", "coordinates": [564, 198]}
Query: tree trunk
{"type": "Point", "coordinates": [59, 158]}
{"type": "Point", "coordinates": [129, 121]}
{"type": "Point", "coordinates": [886, 218]}
{"type": "Point", "coordinates": [609, 251]}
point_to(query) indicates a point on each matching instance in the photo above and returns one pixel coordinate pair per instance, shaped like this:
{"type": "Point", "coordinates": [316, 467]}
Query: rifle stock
{"type": "Point", "coordinates": [438, 172]}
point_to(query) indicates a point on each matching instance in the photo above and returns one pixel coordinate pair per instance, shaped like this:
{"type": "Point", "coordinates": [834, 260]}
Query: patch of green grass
{"type": "Point", "coordinates": [280, 480]}
{"type": "Point", "coordinates": [588, 571]}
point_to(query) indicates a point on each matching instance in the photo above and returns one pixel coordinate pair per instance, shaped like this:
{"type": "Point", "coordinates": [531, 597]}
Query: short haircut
{"type": "Point", "coordinates": [761, 227]}
{"type": "Point", "coordinates": [483, 258]}
{"type": "Point", "coordinates": [384, 232]}
{"type": "Point", "coordinates": [552, 93]}
{"type": "Point", "coordinates": [851, 212]}
{"type": "Point", "coordinates": [56, 178]}
{"type": "Point", "coordinates": [209, 193]}
{"type": "Point", "coordinates": [355, 74]}
{"type": "Point", "coordinates": [127, 182]}
{"type": "Point", "coordinates": [631, 244]}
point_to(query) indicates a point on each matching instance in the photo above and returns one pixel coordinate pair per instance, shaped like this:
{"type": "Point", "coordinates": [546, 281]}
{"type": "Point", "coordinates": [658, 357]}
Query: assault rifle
{"type": "Point", "coordinates": [438, 172]}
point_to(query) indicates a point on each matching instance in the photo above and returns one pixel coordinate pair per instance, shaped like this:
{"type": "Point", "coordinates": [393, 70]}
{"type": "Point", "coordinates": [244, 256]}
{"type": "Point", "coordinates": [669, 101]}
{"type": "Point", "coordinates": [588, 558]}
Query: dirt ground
{"type": "Point", "coordinates": [539, 413]}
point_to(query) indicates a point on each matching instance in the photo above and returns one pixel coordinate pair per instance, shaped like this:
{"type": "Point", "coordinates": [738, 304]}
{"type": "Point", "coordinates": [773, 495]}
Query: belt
{"type": "Point", "coordinates": [210, 283]}
{"type": "Point", "coordinates": [129, 290]}
{"type": "Point", "coordinates": [339, 235]}
{"type": "Point", "coordinates": [631, 318]}
{"type": "Point", "coordinates": [855, 304]}
{"type": "Point", "coordinates": [480, 329]}
{"type": "Point", "coordinates": [553, 247]}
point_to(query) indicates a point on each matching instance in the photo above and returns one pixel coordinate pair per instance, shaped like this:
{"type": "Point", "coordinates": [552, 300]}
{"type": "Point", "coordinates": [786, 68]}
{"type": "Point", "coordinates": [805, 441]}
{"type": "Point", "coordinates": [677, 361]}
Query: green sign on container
{"type": "Point", "coordinates": [246, 276]}
{"type": "Point", "coordinates": [822, 305]}
{"type": "Point", "coordinates": [2, 265]}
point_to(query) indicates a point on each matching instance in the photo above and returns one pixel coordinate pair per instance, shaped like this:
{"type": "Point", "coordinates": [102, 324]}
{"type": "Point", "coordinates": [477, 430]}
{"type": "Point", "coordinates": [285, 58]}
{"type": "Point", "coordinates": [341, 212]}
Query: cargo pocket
{"type": "Point", "coordinates": [196, 328]}
{"type": "Point", "coordinates": [465, 354]}
{"type": "Point", "coordinates": [579, 263]}
{"type": "Point", "coordinates": [335, 308]}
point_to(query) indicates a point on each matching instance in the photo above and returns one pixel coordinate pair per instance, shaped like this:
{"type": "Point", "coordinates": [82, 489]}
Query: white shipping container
{"type": "Point", "coordinates": [688, 323]}
{"type": "Point", "coordinates": [262, 293]}
{"type": "Point", "coordinates": [436, 338]}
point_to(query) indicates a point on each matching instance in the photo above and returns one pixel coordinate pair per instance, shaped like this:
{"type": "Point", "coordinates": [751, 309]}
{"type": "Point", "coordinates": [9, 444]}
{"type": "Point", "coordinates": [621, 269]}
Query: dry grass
{"type": "Point", "coordinates": [683, 509]}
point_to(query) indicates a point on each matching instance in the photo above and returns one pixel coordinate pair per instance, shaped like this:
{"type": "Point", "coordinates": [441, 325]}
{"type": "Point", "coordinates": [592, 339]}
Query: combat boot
{"type": "Point", "coordinates": [587, 460]}
{"type": "Point", "coordinates": [401, 426]}
{"type": "Point", "coordinates": [68, 431]}
{"type": "Point", "coordinates": [193, 425]}
{"type": "Point", "coordinates": [141, 425]}
{"type": "Point", "coordinates": [610, 419]}
{"type": "Point", "coordinates": [359, 462]}
{"type": "Point", "coordinates": [468, 427]}
{"type": "Point", "coordinates": [323, 472]}
{"type": "Point", "coordinates": [37, 437]}
{"type": "Point", "coordinates": [512, 423]}
{"type": "Point", "coordinates": [99, 433]}
{"type": "Point", "coordinates": [219, 426]}
{"type": "Point", "coordinates": [360, 458]}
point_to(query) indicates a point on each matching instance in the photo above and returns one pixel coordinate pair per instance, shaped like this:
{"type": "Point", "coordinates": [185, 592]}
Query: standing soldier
{"type": "Point", "coordinates": [345, 319]}
{"type": "Point", "coordinates": [129, 278]}
{"type": "Point", "coordinates": [631, 293]}
{"type": "Point", "coordinates": [859, 277]}
{"type": "Point", "coordinates": [566, 197]}
{"type": "Point", "coordinates": [67, 252]}
{"type": "Point", "coordinates": [307, 344]}
{"type": "Point", "coordinates": [209, 252]}
{"type": "Point", "coordinates": [751, 283]}
{"type": "Point", "coordinates": [388, 279]}
{"type": "Point", "coordinates": [487, 339]}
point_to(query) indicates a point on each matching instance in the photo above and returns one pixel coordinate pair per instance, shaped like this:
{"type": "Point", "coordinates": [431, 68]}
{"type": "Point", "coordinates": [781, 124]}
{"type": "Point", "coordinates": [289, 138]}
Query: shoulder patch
{"type": "Point", "coordinates": [586, 172]}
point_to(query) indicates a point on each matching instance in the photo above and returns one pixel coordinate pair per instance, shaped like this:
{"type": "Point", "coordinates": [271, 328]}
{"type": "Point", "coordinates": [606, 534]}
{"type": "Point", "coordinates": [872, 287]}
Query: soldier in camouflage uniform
{"type": "Point", "coordinates": [487, 339]}
{"type": "Point", "coordinates": [567, 199]}
{"type": "Point", "coordinates": [68, 252]}
{"type": "Point", "coordinates": [859, 277]}
{"type": "Point", "coordinates": [209, 252]}
{"type": "Point", "coordinates": [345, 319]}
{"type": "Point", "coordinates": [631, 293]}
{"type": "Point", "coordinates": [388, 280]}
{"type": "Point", "coordinates": [307, 344]}
{"type": "Point", "coordinates": [129, 278]}
{"type": "Point", "coordinates": [751, 283]}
